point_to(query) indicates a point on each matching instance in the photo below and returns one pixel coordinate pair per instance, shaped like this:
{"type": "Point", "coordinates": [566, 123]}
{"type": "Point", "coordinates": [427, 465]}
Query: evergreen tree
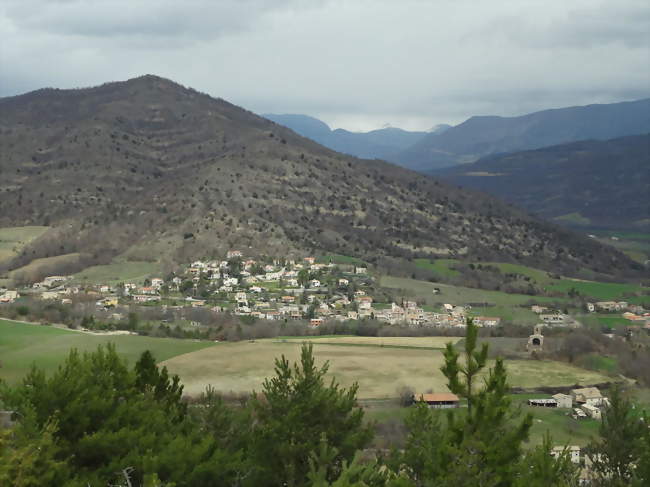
{"type": "Point", "coordinates": [540, 469]}
{"type": "Point", "coordinates": [30, 460]}
{"type": "Point", "coordinates": [110, 418]}
{"type": "Point", "coordinates": [296, 410]}
{"type": "Point", "coordinates": [620, 446]}
{"type": "Point", "coordinates": [481, 446]}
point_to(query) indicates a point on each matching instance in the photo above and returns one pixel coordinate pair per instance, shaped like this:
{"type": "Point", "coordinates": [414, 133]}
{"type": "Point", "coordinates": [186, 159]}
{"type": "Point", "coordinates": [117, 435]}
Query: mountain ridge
{"type": "Point", "coordinates": [483, 135]}
{"type": "Point", "coordinates": [591, 183]}
{"type": "Point", "coordinates": [149, 169]}
{"type": "Point", "coordinates": [381, 143]}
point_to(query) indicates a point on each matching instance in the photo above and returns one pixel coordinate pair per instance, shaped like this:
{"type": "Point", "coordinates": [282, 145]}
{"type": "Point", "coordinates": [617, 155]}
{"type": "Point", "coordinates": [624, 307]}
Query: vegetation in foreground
{"type": "Point", "coordinates": [98, 422]}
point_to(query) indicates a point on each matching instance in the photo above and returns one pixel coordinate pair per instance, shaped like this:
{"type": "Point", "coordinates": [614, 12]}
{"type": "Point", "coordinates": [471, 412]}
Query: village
{"type": "Point", "coordinates": [280, 289]}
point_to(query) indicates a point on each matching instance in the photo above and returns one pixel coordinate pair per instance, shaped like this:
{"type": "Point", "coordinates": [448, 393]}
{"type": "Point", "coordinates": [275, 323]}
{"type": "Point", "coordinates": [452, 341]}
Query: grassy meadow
{"type": "Point", "coordinates": [22, 345]}
{"type": "Point", "coordinates": [118, 271]}
{"type": "Point", "coordinates": [379, 365]}
{"type": "Point", "coordinates": [13, 239]}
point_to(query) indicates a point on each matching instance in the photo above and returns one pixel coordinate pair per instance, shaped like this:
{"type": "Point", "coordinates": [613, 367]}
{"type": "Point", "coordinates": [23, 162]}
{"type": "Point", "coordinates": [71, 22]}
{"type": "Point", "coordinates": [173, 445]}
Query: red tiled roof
{"type": "Point", "coordinates": [438, 397]}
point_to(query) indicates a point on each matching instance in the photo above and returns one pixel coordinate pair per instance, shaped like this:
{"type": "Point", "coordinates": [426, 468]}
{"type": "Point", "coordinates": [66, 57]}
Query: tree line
{"type": "Point", "coordinates": [96, 422]}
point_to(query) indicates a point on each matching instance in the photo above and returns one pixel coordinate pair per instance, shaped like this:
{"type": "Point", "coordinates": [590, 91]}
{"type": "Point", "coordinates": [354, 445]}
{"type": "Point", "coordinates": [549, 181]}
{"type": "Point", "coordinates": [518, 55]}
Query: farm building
{"type": "Point", "coordinates": [591, 411]}
{"type": "Point", "coordinates": [544, 403]}
{"type": "Point", "coordinates": [563, 400]}
{"type": "Point", "coordinates": [578, 414]}
{"type": "Point", "coordinates": [587, 395]}
{"type": "Point", "coordinates": [441, 400]}
{"type": "Point", "coordinates": [574, 452]}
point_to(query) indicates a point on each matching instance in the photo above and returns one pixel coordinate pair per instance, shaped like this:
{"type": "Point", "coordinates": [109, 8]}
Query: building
{"type": "Point", "coordinates": [9, 297]}
{"type": "Point", "coordinates": [487, 321]}
{"type": "Point", "coordinates": [574, 452]}
{"type": "Point", "coordinates": [536, 340]}
{"type": "Point", "coordinates": [441, 400]}
{"type": "Point", "coordinates": [587, 395]}
{"type": "Point", "coordinates": [554, 319]}
{"type": "Point", "coordinates": [591, 411]}
{"type": "Point", "coordinates": [544, 403]}
{"type": "Point", "coordinates": [563, 400]}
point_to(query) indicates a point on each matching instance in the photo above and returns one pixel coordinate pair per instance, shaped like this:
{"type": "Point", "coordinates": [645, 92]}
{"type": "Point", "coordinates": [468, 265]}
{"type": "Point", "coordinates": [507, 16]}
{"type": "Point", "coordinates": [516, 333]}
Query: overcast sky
{"type": "Point", "coordinates": [356, 64]}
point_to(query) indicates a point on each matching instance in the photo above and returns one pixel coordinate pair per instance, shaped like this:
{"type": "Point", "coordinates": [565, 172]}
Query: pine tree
{"type": "Point", "coordinates": [481, 446]}
{"type": "Point", "coordinates": [540, 469]}
{"type": "Point", "coordinates": [296, 410]}
{"type": "Point", "coordinates": [618, 450]}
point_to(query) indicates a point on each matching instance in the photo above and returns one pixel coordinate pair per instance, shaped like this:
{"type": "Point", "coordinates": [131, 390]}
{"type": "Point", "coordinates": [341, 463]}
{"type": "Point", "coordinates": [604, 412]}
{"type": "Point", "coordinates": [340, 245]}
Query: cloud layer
{"type": "Point", "coordinates": [355, 64]}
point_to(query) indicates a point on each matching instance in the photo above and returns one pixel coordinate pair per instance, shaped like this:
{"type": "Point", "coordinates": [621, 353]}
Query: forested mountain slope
{"type": "Point", "coordinates": [603, 184]}
{"type": "Point", "coordinates": [152, 167]}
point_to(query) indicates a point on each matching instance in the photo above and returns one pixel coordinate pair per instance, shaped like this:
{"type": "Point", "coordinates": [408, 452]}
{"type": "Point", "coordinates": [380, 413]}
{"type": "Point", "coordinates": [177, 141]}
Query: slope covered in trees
{"type": "Point", "coordinates": [603, 184]}
{"type": "Point", "coordinates": [171, 174]}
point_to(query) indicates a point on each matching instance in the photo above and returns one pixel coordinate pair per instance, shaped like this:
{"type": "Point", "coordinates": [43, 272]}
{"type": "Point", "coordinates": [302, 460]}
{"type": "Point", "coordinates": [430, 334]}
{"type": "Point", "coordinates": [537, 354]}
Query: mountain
{"type": "Point", "coordinates": [439, 129]}
{"type": "Point", "coordinates": [377, 144]}
{"type": "Point", "coordinates": [482, 136]}
{"type": "Point", "coordinates": [147, 169]}
{"type": "Point", "coordinates": [602, 184]}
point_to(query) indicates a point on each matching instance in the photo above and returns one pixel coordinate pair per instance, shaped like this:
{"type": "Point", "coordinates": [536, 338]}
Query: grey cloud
{"type": "Point", "coordinates": [200, 19]}
{"type": "Point", "coordinates": [356, 64]}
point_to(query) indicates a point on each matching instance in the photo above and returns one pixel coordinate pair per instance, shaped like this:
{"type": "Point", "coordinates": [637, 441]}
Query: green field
{"type": "Point", "coordinates": [22, 345]}
{"type": "Point", "coordinates": [13, 239]}
{"type": "Point", "coordinates": [339, 259]}
{"type": "Point", "coordinates": [441, 267]}
{"type": "Point", "coordinates": [598, 320]}
{"type": "Point", "coordinates": [117, 272]}
{"type": "Point", "coordinates": [379, 370]}
{"type": "Point", "coordinates": [603, 291]}
{"type": "Point", "coordinates": [573, 218]}
{"type": "Point", "coordinates": [457, 295]}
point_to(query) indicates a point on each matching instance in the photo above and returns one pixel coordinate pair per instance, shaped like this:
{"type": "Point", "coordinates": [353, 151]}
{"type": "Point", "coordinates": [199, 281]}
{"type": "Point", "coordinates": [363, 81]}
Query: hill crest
{"type": "Point", "coordinates": [148, 169]}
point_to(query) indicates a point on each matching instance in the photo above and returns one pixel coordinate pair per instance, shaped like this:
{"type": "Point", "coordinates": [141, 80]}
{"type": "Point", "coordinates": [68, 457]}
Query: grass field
{"type": "Point", "coordinates": [440, 266]}
{"type": "Point", "coordinates": [380, 371]}
{"type": "Point", "coordinates": [598, 320]}
{"type": "Point", "coordinates": [339, 259]}
{"type": "Point", "coordinates": [117, 272]}
{"type": "Point", "coordinates": [13, 239]}
{"type": "Point", "coordinates": [22, 345]}
{"type": "Point", "coordinates": [601, 290]}
{"type": "Point", "coordinates": [412, 342]}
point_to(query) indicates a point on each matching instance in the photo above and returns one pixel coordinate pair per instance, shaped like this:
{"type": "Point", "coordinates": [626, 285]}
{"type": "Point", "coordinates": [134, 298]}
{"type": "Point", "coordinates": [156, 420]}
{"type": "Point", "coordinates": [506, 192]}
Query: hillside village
{"type": "Point", "coordinates": [288, 289]}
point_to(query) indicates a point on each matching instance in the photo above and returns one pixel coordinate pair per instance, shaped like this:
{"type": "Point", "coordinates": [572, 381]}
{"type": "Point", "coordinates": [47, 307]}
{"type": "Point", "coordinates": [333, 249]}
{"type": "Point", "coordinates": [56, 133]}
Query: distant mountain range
{"type": "Point", "coordinates": [383, 143]}
{"type": "Point", "coordinates": [148, 169]}
{"type": "Point", "coordinates": [481, 136]}
{"type": "Point", "coordinates": [601, 184]}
